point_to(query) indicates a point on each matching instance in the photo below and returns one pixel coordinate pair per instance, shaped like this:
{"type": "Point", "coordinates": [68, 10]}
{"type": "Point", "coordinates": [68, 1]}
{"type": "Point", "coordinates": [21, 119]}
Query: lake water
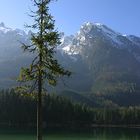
{"type": "Point", "coordinates": [92, 134]}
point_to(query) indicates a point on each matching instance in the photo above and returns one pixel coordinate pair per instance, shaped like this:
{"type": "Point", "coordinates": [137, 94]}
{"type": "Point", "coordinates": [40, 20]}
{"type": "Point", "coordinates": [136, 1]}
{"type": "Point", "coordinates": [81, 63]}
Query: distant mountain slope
{"type": "Point", "coordinates": [105, 64]}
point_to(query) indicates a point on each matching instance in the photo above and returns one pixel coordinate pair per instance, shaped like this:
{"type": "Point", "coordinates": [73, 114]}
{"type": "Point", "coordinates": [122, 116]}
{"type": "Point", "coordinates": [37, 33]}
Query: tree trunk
{"type": "Point", "coordinates": [39, 107]}
{"type": "Point", "coordinates": [39, 110]}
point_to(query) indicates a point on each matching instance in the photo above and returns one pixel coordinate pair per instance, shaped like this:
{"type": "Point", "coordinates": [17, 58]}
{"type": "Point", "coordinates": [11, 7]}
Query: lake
{"type": "Point", "coordinates": [92, 134]}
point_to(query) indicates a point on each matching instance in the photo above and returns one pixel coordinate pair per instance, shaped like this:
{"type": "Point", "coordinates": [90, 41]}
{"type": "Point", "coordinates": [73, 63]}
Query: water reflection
{"type": "Point", "coordinates": [76, 134]}
{"type": "Point", "coordinates": [115, 133]}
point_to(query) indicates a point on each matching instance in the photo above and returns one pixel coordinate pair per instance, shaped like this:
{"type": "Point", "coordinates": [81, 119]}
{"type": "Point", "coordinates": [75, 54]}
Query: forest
{"type": "Point", "coordinates": [18, 111]}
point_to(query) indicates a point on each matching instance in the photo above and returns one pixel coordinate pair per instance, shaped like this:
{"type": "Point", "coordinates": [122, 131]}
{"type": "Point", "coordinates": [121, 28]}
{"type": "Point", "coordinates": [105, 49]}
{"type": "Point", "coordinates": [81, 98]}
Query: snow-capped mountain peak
{"type": "Point", "coordinates": [92, 29]}
{"type": "Point", "coordinates": [3, 28]}
{"type": "Point", "coordinates": [91, 34]}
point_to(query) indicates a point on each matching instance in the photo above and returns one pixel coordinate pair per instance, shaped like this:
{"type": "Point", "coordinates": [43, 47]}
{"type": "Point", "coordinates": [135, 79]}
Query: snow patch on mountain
{"type": "Point", "coordinates": [89, 31]}
{"type": "Point", "coordinates": [73, 45]}
{"type": "Point", "coordinates": [4, 29]}
{"type": "Point", "coordinates": [107, 32]}
{"type": "Point", "coordinates": [86, 36]}
{"type": "Point", "coordinates": [20, 32]}
{"type": "Point", "coordinates": [135, 40]}
{"type": "Point", "coordinates": [67, 48]}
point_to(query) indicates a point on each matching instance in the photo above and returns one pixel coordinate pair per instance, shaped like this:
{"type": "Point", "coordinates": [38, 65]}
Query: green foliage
{"type": "Point", "coordinates": [57, 110]}
{"type": "Point", "coordinates": [61, 112]}
{"type": "Point", "coordinates": [44, 66]}
{"type": "Point", "coordinates": [44, 41]}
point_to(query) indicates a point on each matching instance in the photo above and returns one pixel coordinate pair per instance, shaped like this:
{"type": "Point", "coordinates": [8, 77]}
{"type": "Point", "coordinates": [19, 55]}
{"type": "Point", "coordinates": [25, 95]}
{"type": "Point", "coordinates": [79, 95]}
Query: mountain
{"type": "Point", "coordinates": [105, 64]}
{"type": "Point", "coordinates": [11, 54]}
{"type": "Point", "coordinates": [113, 61]}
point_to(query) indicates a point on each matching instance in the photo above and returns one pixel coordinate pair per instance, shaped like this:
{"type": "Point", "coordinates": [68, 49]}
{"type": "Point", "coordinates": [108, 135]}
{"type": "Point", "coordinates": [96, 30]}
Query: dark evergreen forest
{"type": "Point", "coordinates": [20, 111]}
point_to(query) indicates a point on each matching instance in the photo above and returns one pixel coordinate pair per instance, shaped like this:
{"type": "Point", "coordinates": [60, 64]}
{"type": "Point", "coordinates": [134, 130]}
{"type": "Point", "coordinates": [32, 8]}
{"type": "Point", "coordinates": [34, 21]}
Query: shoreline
{"type": "Point", "coordinates": [115, 126]}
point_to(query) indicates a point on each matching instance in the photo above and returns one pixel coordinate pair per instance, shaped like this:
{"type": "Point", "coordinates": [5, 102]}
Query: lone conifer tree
{"type": "Point", "coordinates": [44, 66]}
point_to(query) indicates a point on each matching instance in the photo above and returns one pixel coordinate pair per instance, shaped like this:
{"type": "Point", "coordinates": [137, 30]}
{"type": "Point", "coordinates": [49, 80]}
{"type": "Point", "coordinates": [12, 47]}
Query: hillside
{"type": "Point", "coordinates": [105, 64]}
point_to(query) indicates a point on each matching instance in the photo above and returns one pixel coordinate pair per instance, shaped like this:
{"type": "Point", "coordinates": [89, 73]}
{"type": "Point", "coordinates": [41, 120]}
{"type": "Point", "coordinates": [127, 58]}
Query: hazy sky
{"type": "Point", "coordinates": [121, 15]}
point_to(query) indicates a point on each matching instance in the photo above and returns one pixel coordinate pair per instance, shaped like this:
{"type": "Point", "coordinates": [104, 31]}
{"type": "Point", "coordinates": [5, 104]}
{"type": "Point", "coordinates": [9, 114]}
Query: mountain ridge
{"type": "Point", "coordinates": [87, 29]}
{"type": "Point", "coordinates": [105, 64]}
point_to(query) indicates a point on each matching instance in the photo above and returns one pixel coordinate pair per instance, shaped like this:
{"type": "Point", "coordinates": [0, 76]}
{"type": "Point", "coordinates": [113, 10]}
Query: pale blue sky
{"type": "Point", "coordinates": [121, 15]}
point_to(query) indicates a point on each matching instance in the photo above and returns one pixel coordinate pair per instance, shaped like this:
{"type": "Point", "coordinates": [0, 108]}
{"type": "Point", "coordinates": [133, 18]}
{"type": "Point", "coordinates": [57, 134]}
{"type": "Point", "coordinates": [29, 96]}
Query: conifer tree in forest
{"type": "Point", "coordinates": [44, 67]}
